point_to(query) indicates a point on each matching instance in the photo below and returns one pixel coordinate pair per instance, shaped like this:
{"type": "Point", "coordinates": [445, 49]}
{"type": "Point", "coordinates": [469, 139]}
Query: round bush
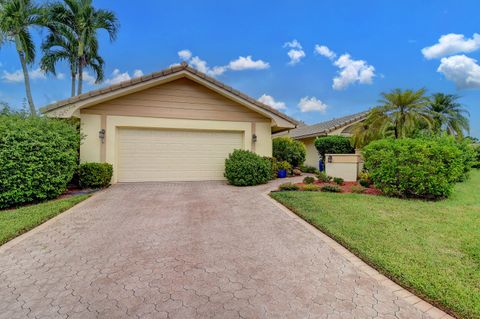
{"type": "Point", "coordinates": [287, 149]}
{"type": "Point", "coordinates": [422, 168]}
{"type": "Point", "coordinates": [94, 175]}
{"type": "Point", "coordinates": [334, 144]}
{"type": "Point", "coordinates": [245, 168]}
{"type": "Point", "coordinates": [38, 157]}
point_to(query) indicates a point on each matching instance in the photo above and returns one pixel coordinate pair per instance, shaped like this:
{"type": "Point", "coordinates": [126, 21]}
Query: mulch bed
{"type": "Point", "coordinates": [347, 187]}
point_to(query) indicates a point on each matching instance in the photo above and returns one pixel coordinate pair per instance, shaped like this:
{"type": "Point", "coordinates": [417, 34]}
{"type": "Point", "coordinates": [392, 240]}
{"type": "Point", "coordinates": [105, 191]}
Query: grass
{"type": "Point", "coordinates": [432, 248]}
{"type": "Point", "coordinates": [18, 221]}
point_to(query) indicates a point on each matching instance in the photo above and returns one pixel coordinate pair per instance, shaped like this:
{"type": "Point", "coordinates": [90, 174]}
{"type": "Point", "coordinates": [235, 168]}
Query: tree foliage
{"type": "Point", "coordinates": [287, 149]}
{"type": "Point", "coordinates": [333, 144]}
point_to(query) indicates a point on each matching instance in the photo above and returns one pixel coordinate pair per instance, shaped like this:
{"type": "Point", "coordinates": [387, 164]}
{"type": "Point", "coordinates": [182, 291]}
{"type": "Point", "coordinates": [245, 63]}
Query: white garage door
{"type": "Point", "coordinates": [174, 155]}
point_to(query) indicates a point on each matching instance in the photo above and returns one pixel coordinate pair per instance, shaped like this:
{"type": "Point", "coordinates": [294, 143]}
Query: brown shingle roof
{"type": "Point", "coordinates": [172, 70]}
{"type": "Point", "coordinates": [323, 128]}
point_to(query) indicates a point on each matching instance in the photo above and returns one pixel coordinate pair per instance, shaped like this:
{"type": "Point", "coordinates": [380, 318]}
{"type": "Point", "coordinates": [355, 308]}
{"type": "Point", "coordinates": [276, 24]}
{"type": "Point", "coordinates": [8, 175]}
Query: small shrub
{"type": "Point", "coordinates": [288, 187]}
{"type": "Point", "coordinates": [419, 168]}
{"type": "Point", "coordinates": [338, 180]}
{"type": "Point", "coordinates": [38, 157]}
{"type": "Point", "coordinates": [287, 149]}
{"type": "Point", "coordinates": [94, 175]}
{"type": "Point", "coordinates": [284, 165]}
{"type": "Point", "coordinates": [310, 169]}
{"type": "Point", "coordinates": [331, 189]}
{"type": "Point", "coordinates": [476, 163]}
{"type": "Point", "coordinates": [357, 189]}
{"type": "Point", "coordinates": [245, 168]}
{"type": "Point", "coordinates": [310, 188]}
{"type": "Point", "coordinates": [323, 177]}
{"type": "Point", "coordinates": [309, 180]}
{"type": "Point", "coordinates": [334, 144]}
{"type": "Point", "coordinates": [364, 183]}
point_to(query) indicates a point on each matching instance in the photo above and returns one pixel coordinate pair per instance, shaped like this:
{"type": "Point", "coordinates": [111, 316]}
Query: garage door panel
{"type": "Point", "coordinates": [174, 155]}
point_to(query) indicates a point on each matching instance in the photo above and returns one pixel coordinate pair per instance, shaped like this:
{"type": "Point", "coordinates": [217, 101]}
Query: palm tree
{"type": "Point", "coordinates": [400, 115]}
{"type": "Point", "coordinates": [448, 114]}
{"type": "Point", "coordinates": [83, 21]}
{"type": "Point", "coordinates": [16, 18]}
{"type": "Point", "coordinates": [61, 45]}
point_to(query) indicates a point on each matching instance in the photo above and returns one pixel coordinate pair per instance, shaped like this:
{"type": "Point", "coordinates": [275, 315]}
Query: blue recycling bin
{"type": "Point", "coordinates": [282, 173]}
{"type": "Point", "coordinates": [321, 166]}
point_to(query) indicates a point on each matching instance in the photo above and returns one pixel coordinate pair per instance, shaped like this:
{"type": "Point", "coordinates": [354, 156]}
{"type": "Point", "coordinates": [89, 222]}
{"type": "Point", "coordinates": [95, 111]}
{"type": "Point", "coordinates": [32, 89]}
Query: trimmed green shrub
{"type": "Point", "coordinates": [288, 187]}
{"type": "Point", "coordinates": [287, 149]}
{"type": "Point", "coordinates": [331, 189]}
{"type": "Point", "coordinates": [357, 189]}
{"type": "Point", "coordinates": [309, 180]}
{"type": "Point", "coordinates": [284, 165]}
{"type": "Point", "coordinates": [245, 168]}
{"type": "Point", "coordinates": [323, 177]}
{"type": "Point", "coordinates": [364, 183]}
{"type": "Point", "coordinates": [338, 180]}
{"type": "Point", "coordinates": [310, 188]}
{"type": "Point", "coordinates": [333, 144]}
{"type": "Point", "coordinates": [94, 175]}
{"type": "Point", "coordinates": [476, 163]}
{"type": "Point", "coordinates": [38, 157]}
{"type": "Point", "coordinates": [309, 169]}
{"type": "Point", "coordinates": [273, 166]}
{"type": "Point", "coordinates": [419, 168]}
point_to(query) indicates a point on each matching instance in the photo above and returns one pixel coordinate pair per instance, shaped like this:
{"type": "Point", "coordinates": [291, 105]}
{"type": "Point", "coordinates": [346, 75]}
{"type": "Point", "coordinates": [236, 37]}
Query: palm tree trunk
{"type": "Point", "coordinates": [80, 78]}
{"type": "Point", "coordinates": [33, 111]}
{"type": "Point", "coordinates": [74, 76]}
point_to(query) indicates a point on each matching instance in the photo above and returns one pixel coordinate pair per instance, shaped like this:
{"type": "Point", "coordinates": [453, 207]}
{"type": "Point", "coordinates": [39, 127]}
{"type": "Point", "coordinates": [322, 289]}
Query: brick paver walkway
{"type": "Point", "coordinates": [186, 250]}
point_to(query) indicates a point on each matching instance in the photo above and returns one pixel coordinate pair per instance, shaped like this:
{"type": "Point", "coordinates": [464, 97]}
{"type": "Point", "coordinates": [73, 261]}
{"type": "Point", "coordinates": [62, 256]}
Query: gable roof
{"type": "Point", "coordinates": [136, 84]}
{"type": "Point", "coordinates": [324, 128]}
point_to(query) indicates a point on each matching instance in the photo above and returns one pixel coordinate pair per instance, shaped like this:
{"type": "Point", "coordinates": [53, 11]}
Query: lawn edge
{"type": "Point", "coordinates": [14, 241]}
{"type": "Point", "coordinates": [434, 310]}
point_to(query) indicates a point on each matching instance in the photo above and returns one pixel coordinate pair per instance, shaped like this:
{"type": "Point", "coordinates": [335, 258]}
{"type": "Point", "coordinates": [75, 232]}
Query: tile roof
{"type": "Point", "coordinates": [323, 128]}
{"type": "Point", "coordinates": [169, 71]}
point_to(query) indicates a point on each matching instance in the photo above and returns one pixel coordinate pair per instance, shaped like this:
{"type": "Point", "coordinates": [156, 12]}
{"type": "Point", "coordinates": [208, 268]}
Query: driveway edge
{"type": "Point", "coordinates": [399, 291]}
{"type": "Point", "coordinates": [41, 227]}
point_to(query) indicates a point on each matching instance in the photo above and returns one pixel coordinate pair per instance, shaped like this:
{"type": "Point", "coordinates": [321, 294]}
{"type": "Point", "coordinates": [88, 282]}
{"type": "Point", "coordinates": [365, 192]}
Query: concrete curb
{"type": "Point", "coordinates": [423, 306]}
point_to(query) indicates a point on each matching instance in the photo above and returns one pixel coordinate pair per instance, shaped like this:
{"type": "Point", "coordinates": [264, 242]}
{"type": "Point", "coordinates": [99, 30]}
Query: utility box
{"type": "Point", "coordinates": [346, 166]}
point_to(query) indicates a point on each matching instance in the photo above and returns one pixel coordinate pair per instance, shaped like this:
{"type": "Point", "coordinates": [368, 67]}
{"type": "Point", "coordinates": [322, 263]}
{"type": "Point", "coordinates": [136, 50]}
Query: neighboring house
{"type": "Point", "coordinates": [308, 133]}
{"type": "Point", "coordinates": [175, 125]}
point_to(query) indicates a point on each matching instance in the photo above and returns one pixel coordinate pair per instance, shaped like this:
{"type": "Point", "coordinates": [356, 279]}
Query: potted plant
{"type": "Point", "coordinates": [283, 168]}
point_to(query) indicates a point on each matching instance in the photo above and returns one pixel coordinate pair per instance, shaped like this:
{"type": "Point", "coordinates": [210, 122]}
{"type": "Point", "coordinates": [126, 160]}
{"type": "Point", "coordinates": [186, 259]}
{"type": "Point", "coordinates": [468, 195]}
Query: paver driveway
{"type": "Point", "coordinates": [182, 250]}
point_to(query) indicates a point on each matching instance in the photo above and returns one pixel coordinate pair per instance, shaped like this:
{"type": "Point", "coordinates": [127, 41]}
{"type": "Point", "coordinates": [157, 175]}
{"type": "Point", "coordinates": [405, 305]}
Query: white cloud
{"type": "Point", "coordinates": [311, 104]}
{"type": "Point", "coordinates": [17, 76]}
{"type": "Point", "coordinates": [242, 63]}
{"type": "Point", "coordinates": [269, 100]}
{"type": "Point", "coordinates": [293, 44]}
{"type": "Point", "coordinates": [137, 73]}
{"type": "Point", "coordinates": [185, 54]}
{"type": "Point", "coordinates": [60, 76]}
{"type": "Point", "coordinates": [245, 63]}
{"type": "Point", "coordinates": [352, 71]}
{"type": "Point", "coordinates": [462, 70]}
{"type": "Point", "coordinates": [296, 53]}
{"type": "Point", "coordinates": [325, 51]}
{"type": "Point", "coordinates": [88, 78]}
{"type": "Point", "coordinates": [452, 43]}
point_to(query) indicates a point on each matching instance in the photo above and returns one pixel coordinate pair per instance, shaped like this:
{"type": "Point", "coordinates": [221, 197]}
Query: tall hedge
{"type": "Point", "coordinates": [38, 157]}
{"type": "Point", "coordinates": [419, 168]}
{"type": "Point", "coordinates": [289, 150]}
{"type": "Point", "coordinates": [333, 144]}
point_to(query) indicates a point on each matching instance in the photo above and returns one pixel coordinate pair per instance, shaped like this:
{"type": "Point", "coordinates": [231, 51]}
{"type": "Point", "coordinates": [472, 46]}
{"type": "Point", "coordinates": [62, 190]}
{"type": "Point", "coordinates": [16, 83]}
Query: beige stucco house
{"type": "Point", "coordinates": [308, 133]}
{"type": "Point", "coordinates": [175, 125]}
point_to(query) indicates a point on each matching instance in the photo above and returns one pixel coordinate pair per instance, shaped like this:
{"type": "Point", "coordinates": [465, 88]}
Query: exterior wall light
{"type": "Point", "coordinates": [254, 138]}
{"type": "Point", "coordinates": [101, 135]}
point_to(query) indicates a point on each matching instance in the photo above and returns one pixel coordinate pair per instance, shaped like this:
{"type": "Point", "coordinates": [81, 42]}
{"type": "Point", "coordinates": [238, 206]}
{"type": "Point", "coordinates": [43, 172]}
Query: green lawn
{"type": "Point", "coordinates": [430, 247]}
{"type": "Point", "coordinates": [18, 221]}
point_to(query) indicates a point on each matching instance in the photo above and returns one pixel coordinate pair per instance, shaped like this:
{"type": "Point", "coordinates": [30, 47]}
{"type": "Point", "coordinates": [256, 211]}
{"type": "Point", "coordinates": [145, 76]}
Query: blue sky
{"type": "Point", "coordinates": [383, 40]}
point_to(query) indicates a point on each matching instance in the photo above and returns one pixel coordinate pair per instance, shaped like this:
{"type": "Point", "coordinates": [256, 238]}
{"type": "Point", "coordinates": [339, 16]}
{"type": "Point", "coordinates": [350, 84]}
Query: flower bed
{"type": "Point", "coordinates": [346, 187]}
